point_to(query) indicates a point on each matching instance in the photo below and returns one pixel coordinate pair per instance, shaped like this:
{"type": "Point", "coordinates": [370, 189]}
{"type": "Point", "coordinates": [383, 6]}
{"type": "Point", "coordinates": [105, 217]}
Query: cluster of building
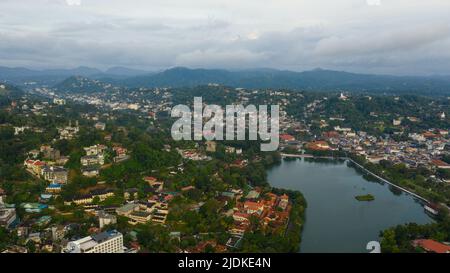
{"type": "Point", "coordinates": [155, 209]}
{"type": "Point", "coordinates": [93, 160]}
{"type": "Point", "coordinates": [100, 194]}
{"type": "Point", "coordinates": [271, 210]}
{"type": "Point", "coordinates": [51, 170]}
{"type": "Point", "coordinates": [193, 154]}
{"type": "Point", "coordinates": [52, 174]}
{"type": "Point", "coordinates": [69, 132]}
{"type": "Point", "coordinates": [421, 150]}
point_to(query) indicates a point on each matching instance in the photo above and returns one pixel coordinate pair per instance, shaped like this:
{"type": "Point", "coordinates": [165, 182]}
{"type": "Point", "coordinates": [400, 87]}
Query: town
{"type": "Point", "coordinates": [99, 172]}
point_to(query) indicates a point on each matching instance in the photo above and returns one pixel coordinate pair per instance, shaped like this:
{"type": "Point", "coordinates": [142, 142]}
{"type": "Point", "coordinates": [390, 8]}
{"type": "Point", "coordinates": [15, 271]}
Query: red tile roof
{"type": "Point", "coordinates": [286, 137]}
{"type": "Point", "coordinates": [433, 246]}
{"type": "Point", "coordinates": [440, 163]}
{"type": "Point", "coordinates": [253, 206]}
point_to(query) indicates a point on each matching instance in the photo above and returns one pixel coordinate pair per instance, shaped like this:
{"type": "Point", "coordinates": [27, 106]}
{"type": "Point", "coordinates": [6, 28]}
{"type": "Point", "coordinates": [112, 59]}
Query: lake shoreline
{"type": "Point", "coordinates": [408, 191]}
{"type": "Point", "coordinates": [331, 203]}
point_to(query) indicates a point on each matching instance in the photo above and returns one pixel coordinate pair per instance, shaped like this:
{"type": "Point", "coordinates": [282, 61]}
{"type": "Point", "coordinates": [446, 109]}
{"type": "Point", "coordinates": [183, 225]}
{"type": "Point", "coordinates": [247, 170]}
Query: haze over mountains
{"type": "Point", "coordinates": [314, 80]}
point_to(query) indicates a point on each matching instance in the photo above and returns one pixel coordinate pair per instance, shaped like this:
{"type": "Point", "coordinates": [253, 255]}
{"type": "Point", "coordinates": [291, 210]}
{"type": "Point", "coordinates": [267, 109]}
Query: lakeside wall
{"type": "Point", "coordinates": [361, 167]}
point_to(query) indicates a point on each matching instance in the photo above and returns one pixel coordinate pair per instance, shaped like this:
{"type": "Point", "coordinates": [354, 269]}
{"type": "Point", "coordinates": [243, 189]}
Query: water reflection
{"type": "Point", "coordinates": [336, 221]}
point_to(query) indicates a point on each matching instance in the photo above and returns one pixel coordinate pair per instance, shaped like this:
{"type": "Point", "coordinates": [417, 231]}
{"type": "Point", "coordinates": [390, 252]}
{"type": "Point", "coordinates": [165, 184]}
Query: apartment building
{"type": "Point", "coordinates": [105, 242]}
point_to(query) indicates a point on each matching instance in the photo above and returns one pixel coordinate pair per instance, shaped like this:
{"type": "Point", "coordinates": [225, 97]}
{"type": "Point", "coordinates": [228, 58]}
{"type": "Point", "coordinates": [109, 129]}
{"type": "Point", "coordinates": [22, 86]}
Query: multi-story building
{"type": "Point", "coordinates": [7, 217]}
{"type": "Point", "coordinates": [90, 160]}
{"type": "Point", "coordinates": [105, 219]}
{"type": "Point", "coordinates": [95, 150]}
{"type": "Point", "coordinates": [105, 242]}
{"type": "Point", "coordinates": [54, 174]}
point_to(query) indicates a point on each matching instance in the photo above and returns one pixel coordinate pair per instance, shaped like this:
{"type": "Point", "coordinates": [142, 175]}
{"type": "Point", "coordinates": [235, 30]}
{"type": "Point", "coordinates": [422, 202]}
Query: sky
{"type": "Point", "coordinates": [401, 37]}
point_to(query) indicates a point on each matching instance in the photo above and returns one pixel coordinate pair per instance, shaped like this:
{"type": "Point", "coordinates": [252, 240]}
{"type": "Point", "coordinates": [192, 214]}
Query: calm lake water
{"type": "Point", "coordinates": [335, 220]}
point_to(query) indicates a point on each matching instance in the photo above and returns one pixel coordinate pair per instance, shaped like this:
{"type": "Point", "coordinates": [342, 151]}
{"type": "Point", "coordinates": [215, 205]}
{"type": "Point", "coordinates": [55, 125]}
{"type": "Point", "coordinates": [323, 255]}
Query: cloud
{"type": "Point", "coordinates": [396, 36]}
{"type": "Point", "coordinates": [383, 40]}
{"type": "Point", "coordinates": [73, 2]}
{"type": "Point", "coordinates": [233, 59]}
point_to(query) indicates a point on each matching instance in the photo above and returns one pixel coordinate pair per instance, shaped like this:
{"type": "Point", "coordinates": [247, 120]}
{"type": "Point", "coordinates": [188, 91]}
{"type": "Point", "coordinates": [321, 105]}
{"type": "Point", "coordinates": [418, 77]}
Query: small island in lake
{"type": "Point", "coordinates": [367, 197]}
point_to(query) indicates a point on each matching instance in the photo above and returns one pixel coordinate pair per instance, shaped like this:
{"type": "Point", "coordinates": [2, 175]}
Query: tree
{"type": "Point", "coordinates": [388, 242]}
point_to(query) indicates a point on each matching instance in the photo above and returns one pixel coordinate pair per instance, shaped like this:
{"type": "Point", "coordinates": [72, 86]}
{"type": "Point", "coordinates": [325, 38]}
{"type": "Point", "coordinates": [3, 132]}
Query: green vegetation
{"type": "Point", "coordinates": [367, 197]}
{"type": "Point", "coordinates": [281, 240]}
{"type": "Point", "coordinates": [398, 239]}
{"type": "Point", "coordinates": [416, 180]}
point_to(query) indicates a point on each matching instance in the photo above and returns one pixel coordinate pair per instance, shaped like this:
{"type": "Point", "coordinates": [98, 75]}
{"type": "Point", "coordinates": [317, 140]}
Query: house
{"type": "Point", "coordinates": [239, 163]}
{"type": "Point", "coordinates": [20, 130]}
{"type": "Point", "coordinates": [188, 188]}
{"type": "Point", "coordinates": [121, 154]}
{"type": "Point", "coordinates": [318, 146]}
{"type": "Point", "coordinates": [62, 160]}
{"type": "Point", "coordinates": [55, 175]}
{"type": "Point", "coordinates": [100, 126]}
{"type": "Point", "coordinates": [105, 219]}
{"type": "Point", "coordinates": [397, 122]}
{"type": "Point", "coordinates": [90, 160]}
{"type": "Point", "coordinates": [7, 217]}
{"type": "Point", "coordinates": [68, 132]}
{"type": "Point", "coordinates": [150, 179]}
{"type": "Point", "coordinates": [90, 171]}
{"type": "Point", "coordinates": [130, 194]}
{"type": "Point", "coordinates": [50, 153]}
{"type": "Point", "coordinates": [59, 101]}
{"type": "Point", "coordinates": [95, 149]}
{"type": "Point", "coordinates": [33, 207]}
{"type": "Point", "coordinates": [330, 134]}
{"type": "Point", "coordinates": [211, 146]}
{"type": "Point", "coordinates": [431, 246]}
{"type": "Point", "coordinates": [287, 138]}
{"type": "Point", "coordinates": [156, 185]}
{"type": "Point", "coordinates": [35, 166]}
{"type": "Point", "coordinates": [241, 217]}
{"type": "Point", "coordinates": [440, 164]}
{"type": "Point", "coordinates": [253, 207]}
{"type": "Point", "coordinates": [284, 201]}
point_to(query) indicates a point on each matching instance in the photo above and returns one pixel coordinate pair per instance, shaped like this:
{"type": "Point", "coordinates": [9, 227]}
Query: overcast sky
{"type": "Point", "coordinates": [371, 36]}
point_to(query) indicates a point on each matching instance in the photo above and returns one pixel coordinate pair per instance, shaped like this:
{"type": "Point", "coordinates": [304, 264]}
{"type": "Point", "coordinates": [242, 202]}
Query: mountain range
{"type": "Point", "coordinates": [314, 80]}
{"type": "Point", "coordinates": [21, 75]}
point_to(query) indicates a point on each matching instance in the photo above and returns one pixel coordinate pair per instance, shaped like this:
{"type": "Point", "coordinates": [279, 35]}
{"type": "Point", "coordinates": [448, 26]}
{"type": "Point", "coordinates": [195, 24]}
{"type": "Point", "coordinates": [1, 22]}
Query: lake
{"type": "Point", "coordinates": [335, 221]}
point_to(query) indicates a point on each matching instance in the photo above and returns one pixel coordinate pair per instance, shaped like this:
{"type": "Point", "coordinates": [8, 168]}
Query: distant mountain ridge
{"type": "Point", "coordinates": [20, 75]}
{"type": "Point", "coordinates": [313, 80]}
{"type": "Point", "coordinates": [80, 84]}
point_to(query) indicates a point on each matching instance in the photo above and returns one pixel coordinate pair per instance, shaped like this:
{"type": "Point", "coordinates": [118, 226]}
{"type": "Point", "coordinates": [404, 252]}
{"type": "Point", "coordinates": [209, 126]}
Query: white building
{"type": "Point", "coordinates": [105, 219]}
{"type": "Point", "coordinates": [7, 216]}
{"type": "Point", "coordinates": [59, 101]}
{"type": "Point", "coordinates": [105, 242]}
